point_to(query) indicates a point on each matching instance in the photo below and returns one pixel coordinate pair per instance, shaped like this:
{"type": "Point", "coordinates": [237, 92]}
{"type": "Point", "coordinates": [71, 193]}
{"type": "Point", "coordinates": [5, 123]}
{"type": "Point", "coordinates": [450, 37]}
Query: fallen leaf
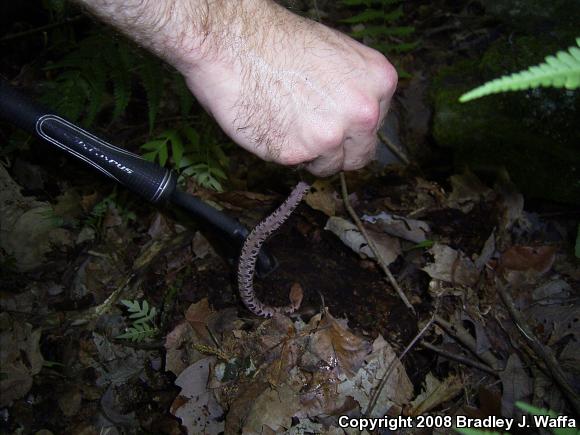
{"type": "Point", "coordinates": [322, 197]}
{"type": "Point", "coordinates": [201, 246]}
{"type": "Point", "coordinates": [467, 190]}
{"type": "Point", "coordinates": [516, 383]}
{"type": "Point", "coordinates": [389, 247]}
{"type": "Point", "coordinates": [272, 411]}
{"type": "Point", "coordinates": [551, 292]}
{"type": "Point", "coordinates": [397, 389]}
{"type": "Point", "coordinates": [435, 393]}
{"type": "Point", "coordinates": [180, 353]}
{"type": "Point", "coordinates": [409, 229]}
{"type": "Point", "coordinates": [451, 266]}
{"type": "Point", "coordinates": [196, 406]}
{"type": "Point", "coordinates": [555, 322]}
{"type": "Point", "coordinates": [29, 228]}
{"type": "Point", "coordinates": [198, 316]}
{"type": "Point", "coordinates": [524, 258]}
{"type": "Point", "coordinates": [20, 358]}
{"type": "Point", "coordinates": [487, 252]}
{"type": "Point", "coordinates": [511, 202]}
{"type": "Point", "coordinates": [296, 294]}
{"type": "Point", "coordinates": [334, 344]}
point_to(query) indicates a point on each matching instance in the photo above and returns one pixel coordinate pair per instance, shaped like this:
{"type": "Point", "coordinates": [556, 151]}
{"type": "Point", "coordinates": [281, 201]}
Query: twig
{"type": "Point", "coordinates": [372, 245]}
{"type": "Point", "coordinates": [544, 352]}
{"type": "Point", "coordinates": [394, 148]}
{"type": "Point", "coordinates": [459, 358]}
{"type": "Point", "coordinates": [465, 338]}
{"type": "Point", "coordinates": [44, 28]}
{"type": "Point", "coordinates": [377, 393]}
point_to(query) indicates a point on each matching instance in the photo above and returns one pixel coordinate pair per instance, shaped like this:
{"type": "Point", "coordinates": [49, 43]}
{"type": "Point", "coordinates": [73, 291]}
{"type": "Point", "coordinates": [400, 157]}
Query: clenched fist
{"type": "Point", "coordinates": [286, 88]}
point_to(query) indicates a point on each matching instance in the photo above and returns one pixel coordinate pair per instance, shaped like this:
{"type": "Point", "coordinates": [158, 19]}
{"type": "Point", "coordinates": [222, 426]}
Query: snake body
{"type": "Point", "coordinates": [251, 248]}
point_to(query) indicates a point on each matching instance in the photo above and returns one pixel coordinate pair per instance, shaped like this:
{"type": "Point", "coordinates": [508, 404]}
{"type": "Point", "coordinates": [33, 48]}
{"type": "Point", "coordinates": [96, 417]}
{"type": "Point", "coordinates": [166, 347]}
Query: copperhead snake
{"type": "Point", "coordinates": [251, 248]}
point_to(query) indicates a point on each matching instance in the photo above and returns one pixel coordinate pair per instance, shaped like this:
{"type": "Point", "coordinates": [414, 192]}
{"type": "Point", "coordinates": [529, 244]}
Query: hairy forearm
{"type": "Point", "coordinates": [182, 32]}
{"type": "Point", "coordinates": [286, 88]}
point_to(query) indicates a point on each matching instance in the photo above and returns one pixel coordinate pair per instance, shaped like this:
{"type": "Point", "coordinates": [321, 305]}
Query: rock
{"type": "Point", "coordinates": [531, 15]}
{"type": "Point", "coordinates": [533, 134]}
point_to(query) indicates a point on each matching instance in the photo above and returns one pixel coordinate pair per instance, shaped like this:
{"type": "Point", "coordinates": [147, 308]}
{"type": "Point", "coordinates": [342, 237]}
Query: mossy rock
{"type": "Point", "coordinates": [534, 134]}
{"type": "Point", "coordinates": [530, 16]}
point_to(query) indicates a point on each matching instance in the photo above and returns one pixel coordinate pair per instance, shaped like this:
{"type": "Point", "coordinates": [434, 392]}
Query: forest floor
{"type": "Point", "coordinates": [127, 317]}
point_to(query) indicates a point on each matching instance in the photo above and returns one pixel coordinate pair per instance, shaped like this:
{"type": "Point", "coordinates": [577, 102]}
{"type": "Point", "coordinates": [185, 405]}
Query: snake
{"type": "Point", "coordinates": [251, 249]}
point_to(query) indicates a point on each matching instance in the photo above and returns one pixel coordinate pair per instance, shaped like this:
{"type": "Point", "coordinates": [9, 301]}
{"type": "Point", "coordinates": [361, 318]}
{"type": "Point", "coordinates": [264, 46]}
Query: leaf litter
{"type": "Point", "coordinates": [217, 370]}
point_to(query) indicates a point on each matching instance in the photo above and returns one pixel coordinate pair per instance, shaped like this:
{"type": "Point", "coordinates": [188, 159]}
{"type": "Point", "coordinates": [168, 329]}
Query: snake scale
{"type": "Point", "coordinates": [251, 248]}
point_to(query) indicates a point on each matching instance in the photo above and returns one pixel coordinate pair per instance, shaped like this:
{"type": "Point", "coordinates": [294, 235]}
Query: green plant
{"type": "Point", "coordinates": [99, 211]}
{"type": "Point", "coordinates": [204, 160]}
{"type": "Point", "coordinates": [376, 19]}
{"type": "Point", "coordinates": [99, 72]}
{"type": "Point", "coordinates": [142, 321]}
{"type": "Point", "coordinates": [561, 70]}
{"type": "Point", "coordinates": [102, 75]}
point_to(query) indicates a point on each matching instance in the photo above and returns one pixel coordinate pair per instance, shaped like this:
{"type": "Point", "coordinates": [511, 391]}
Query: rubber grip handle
{"type": "Point", "coordinates": [145, 178]}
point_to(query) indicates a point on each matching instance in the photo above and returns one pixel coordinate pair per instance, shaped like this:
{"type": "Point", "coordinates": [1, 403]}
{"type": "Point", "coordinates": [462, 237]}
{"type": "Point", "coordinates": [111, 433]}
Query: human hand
{"type": "Point", "coordinates": [293, 91]}
{"type": "Point", "coordinates": [286, 88]}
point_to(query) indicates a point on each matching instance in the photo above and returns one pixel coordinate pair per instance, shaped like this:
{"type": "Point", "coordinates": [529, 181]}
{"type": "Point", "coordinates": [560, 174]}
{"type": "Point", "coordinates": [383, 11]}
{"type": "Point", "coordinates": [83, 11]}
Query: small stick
{"type": "Point", "coordinates": [459, 358]}
{"type": "Point", "coordinates": [465, 338]}
{"type": "Point", "coordinates": [394, 149]}
{"type": "Point", "coordinates": [542, 351]}
{"type": "Point", "coordinates": [377, 393]}
{"type": "Point", "coordinates": [372, 245]}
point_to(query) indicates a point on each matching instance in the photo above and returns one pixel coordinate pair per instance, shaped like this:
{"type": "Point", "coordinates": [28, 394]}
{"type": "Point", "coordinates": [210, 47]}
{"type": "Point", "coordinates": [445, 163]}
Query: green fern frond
{"type": "Point", "coordinates": [369, 15]}
{"type": "Point", "coordinates": [139, 332]}
{"type": "Point", "coordinates": [119, 62]}
{"type": "Point", "coordinates": [142, 317]}
{"type": "Point", "coordinates": [152, 79]}
{"type": "Point", "coordinates": [378, 31]}
{"type": "Point", "coordinates": [561, 70]}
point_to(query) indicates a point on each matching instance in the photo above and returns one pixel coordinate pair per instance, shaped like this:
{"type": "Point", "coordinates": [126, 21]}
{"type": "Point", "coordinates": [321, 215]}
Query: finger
{"type": "Point", "coordinates": [327, 164]}
{"type": "Point", "coordinates": [359, 152]}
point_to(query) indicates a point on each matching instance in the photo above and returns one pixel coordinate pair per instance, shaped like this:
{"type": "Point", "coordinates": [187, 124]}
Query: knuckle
{"type": "Point", "coordinates": [328, 137]}
{"type": "Point", "coordinates": [366, 113]}
{"type": "Point", "coordinates": [386, 72]}
{"type": "Point", "coordinates": [290, 157]}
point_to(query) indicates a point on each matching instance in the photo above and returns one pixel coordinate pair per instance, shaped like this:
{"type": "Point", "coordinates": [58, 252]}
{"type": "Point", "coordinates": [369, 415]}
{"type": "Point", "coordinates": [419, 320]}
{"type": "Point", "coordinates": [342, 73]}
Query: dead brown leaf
{"type": "Point", "coordinates": [20, 358]}
{"type": "Point", "coordinates": [272, 411]}
{"type": "Point", "coordinates": [196, 406]}
{"type": "Point", "coordinates": [334, 344]}
{"type": "Point", "coordinates": [435, 393]}
{"type": "Point", "coordinates": [524, 258]}
{"type": "Point", "coordinates": [396, 390]}
{"type": "Point", "coordinates": [322, 197]}
{"type": "Point", "coordinates": [451, 266]}
{"type": "Point", "coordinates": [409, 229]}
{"type": "Point", "coordinates": [389, 247]}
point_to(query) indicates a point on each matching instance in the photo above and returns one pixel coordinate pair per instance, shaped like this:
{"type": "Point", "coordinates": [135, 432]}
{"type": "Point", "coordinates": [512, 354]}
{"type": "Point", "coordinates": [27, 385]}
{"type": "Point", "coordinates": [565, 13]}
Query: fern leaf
{"type": "Point", "coordinates": [152, 79]}
{"type": "Point", "coordinates": [132, 306]}
{"type": "Point", "coordinates": [377, 31]}
{"type": "Point", "coordinates": [560, 71]}
{"type": "Point", "coordinates": [138, 332]}
{"type": "Point", "coordinates": [365, 16]}
{"type": "Point", "coordinates": [118, 60]}
{"type": "Point", "coordinates": [96, 78]}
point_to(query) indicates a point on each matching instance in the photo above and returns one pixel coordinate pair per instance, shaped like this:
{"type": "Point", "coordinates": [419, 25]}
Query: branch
{"type": "Point", "coordinates": [393, 148]}
{"type": "Point", "coordinates": [372, 245]}
{"type": "Point", "coordinates": [544, 352]}
{"type": "Point", "coordinates": [459, 358]}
